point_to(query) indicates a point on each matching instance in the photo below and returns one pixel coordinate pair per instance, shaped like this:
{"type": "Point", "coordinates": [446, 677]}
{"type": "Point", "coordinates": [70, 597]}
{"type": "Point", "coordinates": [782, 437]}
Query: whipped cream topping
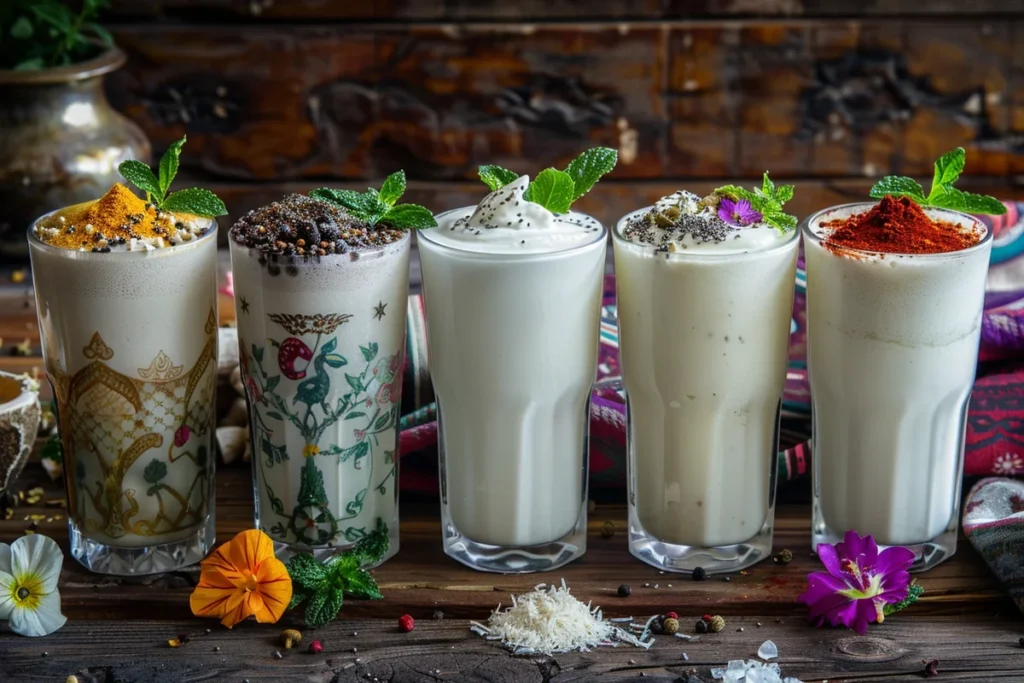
{"type": "Point", "coordinates": [683, 221]}
{"type": "Point", "coordinates": [505, 223]}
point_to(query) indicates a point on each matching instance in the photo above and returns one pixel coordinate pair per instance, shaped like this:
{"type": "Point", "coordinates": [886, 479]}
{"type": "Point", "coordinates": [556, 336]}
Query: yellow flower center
{"type": "Point", "coordinates": [27, 591]}
{"type": "Point", "coordinates": [250, 580]}
{"type": "Point", "coordinates": [310, 450]}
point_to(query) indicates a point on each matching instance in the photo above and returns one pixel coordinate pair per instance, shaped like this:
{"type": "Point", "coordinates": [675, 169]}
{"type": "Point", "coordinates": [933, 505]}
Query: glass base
{"type": "Point", "coordinates": [926, 555]}
{"type": "Point", "coordinates": [519, 559]}
{"type": "Point", "coordinates": [286, 551]}
{"type": "Point", "coordinates": [671, 557]}
{"type": "Point", "coordinates": [153, 559]}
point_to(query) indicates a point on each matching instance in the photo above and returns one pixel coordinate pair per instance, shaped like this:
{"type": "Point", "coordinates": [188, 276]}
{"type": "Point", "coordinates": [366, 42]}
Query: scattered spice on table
{"type": "Point", "coordinates": [607, 530]}
{"type": "Point", "coordinates": [716, 624]}
{"type": "Point", "coordinates": [785, 556]}
{"type": "Point", "coordinates": [931, 668]}
{"type": "Point", "coordinates": [316, 647]}
{"type": "Point", "coordinates": [406, 623]}
{"type": "Point", "coordinates": [624, 590]}
{"type": "Point", "coordinates": [699, 574]}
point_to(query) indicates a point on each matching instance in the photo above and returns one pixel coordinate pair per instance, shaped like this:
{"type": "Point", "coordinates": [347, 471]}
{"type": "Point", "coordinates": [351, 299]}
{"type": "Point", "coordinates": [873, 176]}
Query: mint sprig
{"type": "Point", "coordinates": [942, 194]}
{"type": "Point", "coordinates": [380, 206]}
{"type": "Point", "coordinates": [767, 200]}
{"type": "Point", "coordinates": [553, 189]}
{"type": "Point", "coordinates": [195, 200]}
{"type": "Point", "coordinates": [323, 587]}
{"type": "Point", "coordinates": [914, 592]}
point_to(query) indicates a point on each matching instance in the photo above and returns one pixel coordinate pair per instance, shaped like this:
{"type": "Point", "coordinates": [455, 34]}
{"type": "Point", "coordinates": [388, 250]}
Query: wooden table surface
{"type": "Point", "coordinates": [117, 630]}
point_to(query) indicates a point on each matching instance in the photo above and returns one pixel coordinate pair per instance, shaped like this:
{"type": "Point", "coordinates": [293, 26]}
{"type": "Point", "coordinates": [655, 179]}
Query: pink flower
{"type": "Point", "coordinates": [360, 434]}
{"type": "Point", "coordinates": [181, 436]}
{"type": "Point", "coordinates": [859, 583]}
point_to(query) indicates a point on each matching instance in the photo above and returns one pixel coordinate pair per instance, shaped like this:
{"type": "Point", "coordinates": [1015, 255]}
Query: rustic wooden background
{"type": "Point", "coordinates": [281, 95]}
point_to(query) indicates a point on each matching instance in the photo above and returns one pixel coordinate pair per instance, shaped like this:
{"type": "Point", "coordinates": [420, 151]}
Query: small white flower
{"type": "Point", "coordinates": [1008, 463]}
{"type": "Point", "coordinates": [29, 569]}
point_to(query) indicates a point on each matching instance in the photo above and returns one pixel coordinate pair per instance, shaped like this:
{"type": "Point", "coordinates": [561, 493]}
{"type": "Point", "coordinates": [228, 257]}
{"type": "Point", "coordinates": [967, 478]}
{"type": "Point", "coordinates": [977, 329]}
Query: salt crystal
{"type": "Point", "coordinates": [768, 650]}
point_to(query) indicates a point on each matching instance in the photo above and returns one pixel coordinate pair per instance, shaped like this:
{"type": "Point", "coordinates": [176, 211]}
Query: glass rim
{"type": "Point", "coordinates": [810, 235]}
{"type": "Point", "coordinates": [311, 259]}
{"type": "Point", "coordinates": [687, 255]}
{"type": "Point", "coordinates": [600, 238]}
{"type": "Point", "coordinates": [36, 243]}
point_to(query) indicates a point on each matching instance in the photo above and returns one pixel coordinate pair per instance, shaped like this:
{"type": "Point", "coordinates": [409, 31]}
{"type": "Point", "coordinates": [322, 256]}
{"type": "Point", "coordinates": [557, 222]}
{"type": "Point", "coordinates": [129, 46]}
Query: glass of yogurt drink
{"type": "Point", "coordinates": [512, 292]}
{"type": "Point", "coordinates": [321, 292]}
{"type": "Point", "coordinates": [705, 298]}
{"type": "Point", "coordinates": [126, 298]}
{"type": "Point", "coordinates": [893, 330]}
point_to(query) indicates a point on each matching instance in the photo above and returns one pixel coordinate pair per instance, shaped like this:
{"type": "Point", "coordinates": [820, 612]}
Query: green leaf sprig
{"type": "Point", "coordinates": [766, 200]}
{"type": "Point", "coordinates": [553, 189]}
{"type": "Point", "coordinates": [323, 586]}
{"type": "Point", "coordinates": [38, 34]}
{"type": "Point", "coordinates": [942, 195]}
{"type": "Point", "coordinates": [380, 206]}
{"type": "Point", "coordinates": [194, 200]}
{"type": "Point", "coordinates": [914, 592]}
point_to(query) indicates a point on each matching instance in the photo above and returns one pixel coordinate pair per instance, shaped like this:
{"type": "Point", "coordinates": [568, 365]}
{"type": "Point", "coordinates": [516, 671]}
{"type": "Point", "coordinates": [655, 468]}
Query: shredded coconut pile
{"type": "Point", "coordinates": [549, 620]}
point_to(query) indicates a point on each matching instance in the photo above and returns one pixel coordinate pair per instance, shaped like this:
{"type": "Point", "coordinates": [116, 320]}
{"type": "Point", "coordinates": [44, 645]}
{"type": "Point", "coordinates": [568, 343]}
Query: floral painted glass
{"type": "Point", "coordinates": [321, 347]}
{"type": "Point", "coordinates": [130, 347]}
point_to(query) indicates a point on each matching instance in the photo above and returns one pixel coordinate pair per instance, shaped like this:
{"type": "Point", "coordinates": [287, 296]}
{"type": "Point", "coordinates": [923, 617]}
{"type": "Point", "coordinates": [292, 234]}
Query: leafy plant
{"type": "Point", "coordinates": [914, 592]}
{"type": "Point", "coordinates": [553, 189]}
{"type": "Point", "coordinates": [194, 200]}
{"type": "Point", "coordinates": [767, 200]}
{"type": "Point", "coordinates": [323, 586]}
{"type": "Point", "coordinates": [380, 206]}
{"type": "Point", "coordinates": [36, 34]}
{"type": "Point", "coordinates": [942, 195]}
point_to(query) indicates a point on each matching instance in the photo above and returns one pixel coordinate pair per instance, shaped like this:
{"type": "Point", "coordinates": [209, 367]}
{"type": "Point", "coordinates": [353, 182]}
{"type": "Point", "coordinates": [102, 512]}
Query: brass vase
{"type": "Point", "coordinates": [60, 143]}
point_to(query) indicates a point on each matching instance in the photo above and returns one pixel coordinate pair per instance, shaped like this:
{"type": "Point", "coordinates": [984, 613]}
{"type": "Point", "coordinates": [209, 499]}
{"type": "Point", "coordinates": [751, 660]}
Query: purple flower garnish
{"type": "Point", "coordinates": [859, 583]}
{"type": "Point", "coordinates": [738, 213]}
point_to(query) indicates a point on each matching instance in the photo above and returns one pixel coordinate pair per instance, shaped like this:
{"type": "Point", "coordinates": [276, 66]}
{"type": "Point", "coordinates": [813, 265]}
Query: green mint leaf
{"type": "Point", "coordinates": [195, 200]}
{"type": "Point", "coordinates": [32, 64]}
{"type": "Point", "coordinates": [361, 584]}
{"type": "Point", "coordinates": [767, 186]}
{"type": "Point", "coordinates": [377, 208]}
{"type": "Point", "coordinates": [393, 188]}
{"type": "Point", "coordinates": [782, 221]}
{"type": "Point", "coordinates": [409, 217]}
{"type": "Point", "coordinates": [169, 166]}
{"type": "Point", "coordinates": [101, 33]}
{"type": "Point", "coordinates": [914, 592]}
{"type": "Point", "coordinates": [370, 549]}
{"type": "Point", "coordinates": [737, 192]}
{"type": "Point", "coordinates": [587, 169]}
{"type": "Point", "coordinates": [21, 28]}
{"type": "Point", "coordinates": [898, 186]}
{"type": "Point", "coordinates": [947, 169]}
{"type": "Point", "coordinates": [552, 189]}
{"type": "Point", "coordinates": [784, 193]}
{"type": "Point", "coordinates": [323, 607]}
{"type": "Point", "coordinates": [958, 200]}
{"type": "Point", "coordinates": [296, 600]}
{"type": "Point", "coordinates": [496, 177]}
{"type": "Point", "coordinates": [141, 176]}
{"type": "Point", "coordinates": [306, 572]}
{"type": "Point", "coordinates": [354, 202]}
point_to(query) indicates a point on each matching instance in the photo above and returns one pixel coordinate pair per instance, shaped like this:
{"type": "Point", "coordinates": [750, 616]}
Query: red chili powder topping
{"type": "Point", "coordinates": [898, 225]}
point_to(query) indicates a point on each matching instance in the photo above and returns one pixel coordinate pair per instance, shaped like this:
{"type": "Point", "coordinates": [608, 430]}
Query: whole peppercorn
{"type": "Point", "coordinates": [406, 623]}
{"type": "Point", "coordinates": [702, 626]}
{"type": "Point", "coordinates": [785, 556]}
{"type": "Point", "coordinates": [607, 530]}
{"type": "Point", "coordinates": [316, 647]}
{"type": "Point", "coordinates": [699, 574]}
{"type": "Point", "coordinates": [657, 625]}
{"type": "Point", "coordinates": [671, 626]}
{"type": "Point", "coordinates": [624, 590]}
{"type": "Point", "coordinates": [716, 624]}
{"type": "Point", "coordinates": [671, 615]}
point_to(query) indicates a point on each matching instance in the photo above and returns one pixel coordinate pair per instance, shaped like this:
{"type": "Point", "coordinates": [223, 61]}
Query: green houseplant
{"type": "Point", "coordinates": [62, 140]}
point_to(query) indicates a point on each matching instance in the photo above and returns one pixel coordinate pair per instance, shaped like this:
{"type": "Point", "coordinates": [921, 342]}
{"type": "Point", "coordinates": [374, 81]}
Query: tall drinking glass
{"type": "Point", "coordinates": [130, 347]}
{"type": "Point", "coordinates": [513, 340]}
{"type": "Point", "coordinates": [892, 349]}
{"type": "Point", "coordinates": [321, 342]}
{"type": "Point", "coordinates": [703, 337]}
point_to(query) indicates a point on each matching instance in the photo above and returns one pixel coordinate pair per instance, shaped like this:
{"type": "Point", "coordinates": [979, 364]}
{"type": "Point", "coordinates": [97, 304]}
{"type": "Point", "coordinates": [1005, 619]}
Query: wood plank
{"type": "Point", "coordinates": [714, 99]}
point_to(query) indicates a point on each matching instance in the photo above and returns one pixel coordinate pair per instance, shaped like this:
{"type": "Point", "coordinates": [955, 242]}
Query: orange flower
{"type": "Point", "coordinates": [243, 579]}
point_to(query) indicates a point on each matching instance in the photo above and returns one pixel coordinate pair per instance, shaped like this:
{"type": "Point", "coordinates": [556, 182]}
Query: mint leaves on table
{"type": "Point", "coordinates": [380, 206]}
{"type": "Point", "coordinates": [194, 200]}
{"type": "Point", "coordinates": [942, 195]}
{"type": "Point", "coordinates": [914, 591]}
{"type": "Point", "coordinates": [767, 200]}
{"type": "Point", "coordinates": [553, 189]}
{"type": "Point", "coordinates": [323, 586]}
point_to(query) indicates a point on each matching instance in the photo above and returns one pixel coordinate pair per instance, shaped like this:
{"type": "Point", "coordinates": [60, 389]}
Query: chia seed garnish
{"type": "Point", "coordinates": [651, 228]}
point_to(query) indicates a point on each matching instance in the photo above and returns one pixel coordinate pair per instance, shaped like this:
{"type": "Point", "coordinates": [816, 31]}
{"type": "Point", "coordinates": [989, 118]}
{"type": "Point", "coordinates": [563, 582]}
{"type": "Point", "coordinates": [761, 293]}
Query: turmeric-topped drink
{"type": "Point", "coordinates": [126, 295]}
{"type": "Point", "coordinates": [321, 289]}
{"type": "Point", "coordinates": [895, 292]}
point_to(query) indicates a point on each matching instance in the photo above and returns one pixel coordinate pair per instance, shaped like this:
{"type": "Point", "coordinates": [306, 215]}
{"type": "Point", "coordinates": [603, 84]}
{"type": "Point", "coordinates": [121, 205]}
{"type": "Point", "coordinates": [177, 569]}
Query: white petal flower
{"type": "Point", "coordinates": [29, 569]}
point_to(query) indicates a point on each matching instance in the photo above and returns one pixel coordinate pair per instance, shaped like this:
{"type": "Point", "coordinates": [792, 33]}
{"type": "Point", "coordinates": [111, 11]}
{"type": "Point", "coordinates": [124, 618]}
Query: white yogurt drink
{"type": "Point", "coordinates": [892, 350]}
{"type": "Point", "coordinates": [704, 313]}
{"type": "Point", "coordinates": [129, 337]}
{"type": "Point", "coordinates": [321, 340]}
{"type": "Point", "coordinates": [513, 300]}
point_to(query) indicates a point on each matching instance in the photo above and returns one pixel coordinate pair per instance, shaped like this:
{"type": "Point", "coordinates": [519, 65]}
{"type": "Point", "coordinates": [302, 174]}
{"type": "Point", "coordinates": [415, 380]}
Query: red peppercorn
{"type": "Point", "coordinates": [706, 617]}
{"type": "Point", "coordinates": [316, 647]}
{"type": "Point", "coordinates": [671, 615]}
{"type": "Point", "coordinates": [406, 623]}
